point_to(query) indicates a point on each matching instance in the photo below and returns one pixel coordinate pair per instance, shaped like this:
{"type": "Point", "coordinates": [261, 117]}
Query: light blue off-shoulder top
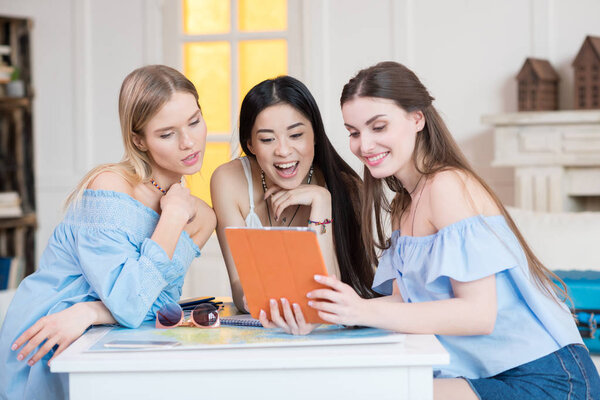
{"type": "Point", "coordinates": [101, 251]}
{"type": "Point", "coordinates": [529, 324]}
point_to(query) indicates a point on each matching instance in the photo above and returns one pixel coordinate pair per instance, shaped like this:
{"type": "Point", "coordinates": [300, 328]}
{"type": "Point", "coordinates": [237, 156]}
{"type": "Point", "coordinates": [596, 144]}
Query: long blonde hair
{"type": "Point", "coordinates": [143, 93]}
{"type": "Point", "coordinates": [435, 150]}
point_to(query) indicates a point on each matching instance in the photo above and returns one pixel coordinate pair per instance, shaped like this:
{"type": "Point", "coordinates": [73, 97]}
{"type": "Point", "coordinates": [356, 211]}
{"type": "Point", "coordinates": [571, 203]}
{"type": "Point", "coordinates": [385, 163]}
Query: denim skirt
{"type": "Point", "coordinates": [568, 373]}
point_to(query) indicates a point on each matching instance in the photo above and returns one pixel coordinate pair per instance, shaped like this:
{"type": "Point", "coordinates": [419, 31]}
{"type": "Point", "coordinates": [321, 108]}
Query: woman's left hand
{"type": "Point", "coordinates": [306, 195]}
{"type": "Point", "coordinates": [341, 304]}
{"type": "Point", "coordinates": [61, 329]}
{"type": "Point", "coordinates": [292, 322]}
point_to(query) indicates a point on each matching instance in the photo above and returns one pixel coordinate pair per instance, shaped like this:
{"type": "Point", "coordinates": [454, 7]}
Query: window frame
{"type": "Point", "coordinates": [173, 54]}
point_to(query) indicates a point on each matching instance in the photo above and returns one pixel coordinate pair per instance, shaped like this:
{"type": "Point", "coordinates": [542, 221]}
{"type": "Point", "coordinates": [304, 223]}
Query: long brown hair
{"type": "Point", "coordinates": [143, 93]}
{"type": "Point", "coordinates": [435, 150]}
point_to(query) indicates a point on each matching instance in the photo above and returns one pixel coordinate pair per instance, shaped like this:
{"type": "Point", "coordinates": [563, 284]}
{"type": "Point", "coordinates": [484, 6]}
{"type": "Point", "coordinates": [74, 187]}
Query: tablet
{"type": "Point", "coordinates": [274, 262]}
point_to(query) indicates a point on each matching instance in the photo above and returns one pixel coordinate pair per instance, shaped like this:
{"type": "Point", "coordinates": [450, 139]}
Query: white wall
{"type": "Point", "coordinates": [467, 52]}
{"type": "Point", "coordinates": [82, 50]}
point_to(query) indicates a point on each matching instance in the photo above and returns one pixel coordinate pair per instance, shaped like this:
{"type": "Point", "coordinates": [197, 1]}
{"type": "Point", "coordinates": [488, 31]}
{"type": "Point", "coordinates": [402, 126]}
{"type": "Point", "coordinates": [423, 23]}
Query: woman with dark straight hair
{"type": "Point", "coordinates": [456, 265]}
{"type": "Point", "coordinates": [291, 176]}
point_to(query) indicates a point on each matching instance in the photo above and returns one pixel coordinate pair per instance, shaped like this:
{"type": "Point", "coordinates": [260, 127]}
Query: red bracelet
{"type": "Point", "coordinates": [322, 223]}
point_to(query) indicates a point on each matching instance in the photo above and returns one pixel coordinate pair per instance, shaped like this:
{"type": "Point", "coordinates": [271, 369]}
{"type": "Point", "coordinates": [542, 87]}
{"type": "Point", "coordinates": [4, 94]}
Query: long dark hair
{"type": "Point", "coordinates": [343, 182]}
{"type": "Point", "coordinates": [435, 150]}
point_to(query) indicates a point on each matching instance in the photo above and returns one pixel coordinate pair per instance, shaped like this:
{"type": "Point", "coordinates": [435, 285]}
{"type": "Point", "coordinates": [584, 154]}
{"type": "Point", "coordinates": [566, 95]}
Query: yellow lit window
{"type": "Point", "coordinates": [208, 65]}
{"type": "Point", "coordinates": [201, 17]}
{"type": "Point", "coordinates": [261, 59]}
{"type": "Point", "coordinates": [228, 47]}
{"type": "Point", "coordinates": [262, 15]}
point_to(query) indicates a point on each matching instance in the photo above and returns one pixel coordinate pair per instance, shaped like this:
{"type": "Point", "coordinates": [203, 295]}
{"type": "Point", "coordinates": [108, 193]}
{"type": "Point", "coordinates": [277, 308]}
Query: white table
{"type": "Point", "coordinates": [359, 371]}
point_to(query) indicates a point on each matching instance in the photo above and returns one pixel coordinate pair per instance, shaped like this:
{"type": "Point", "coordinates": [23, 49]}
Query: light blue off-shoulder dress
{"type": "Point", "coordinates": [101, 251]}
{"type": "Point", "coordinates": [529, 324]}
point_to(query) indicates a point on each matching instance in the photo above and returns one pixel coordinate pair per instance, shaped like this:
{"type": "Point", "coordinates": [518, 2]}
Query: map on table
{"type": "Point", "coordinates": [242, 336]}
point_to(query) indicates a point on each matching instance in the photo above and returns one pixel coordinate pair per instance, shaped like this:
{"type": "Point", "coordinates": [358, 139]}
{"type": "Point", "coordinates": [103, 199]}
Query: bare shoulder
{"type": "Point", "coordinates": [230, 173]}
{"type": "Point", "coordinates": [455, 195]}
{"type": "Point", "coordinates": [110, 180]}
{"type": "Point", "coordinates": [449, 180]}
{"type": "Point", "coordinates": [228, 183]}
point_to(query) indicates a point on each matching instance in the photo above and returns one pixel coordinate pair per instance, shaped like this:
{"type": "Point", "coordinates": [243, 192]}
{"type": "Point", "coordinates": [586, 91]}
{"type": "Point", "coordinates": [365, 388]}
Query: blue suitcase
{"type": "Point", "coordinates": [584, 289]}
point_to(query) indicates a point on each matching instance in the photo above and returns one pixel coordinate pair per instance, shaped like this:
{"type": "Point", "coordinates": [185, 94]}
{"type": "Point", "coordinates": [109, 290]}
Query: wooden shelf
{"type": "Point", "coordinates": [19, 222]}
{"type": "Point", "coordinates": [17, 235]}
{"type": "Point", "coordinates": [14, 102]}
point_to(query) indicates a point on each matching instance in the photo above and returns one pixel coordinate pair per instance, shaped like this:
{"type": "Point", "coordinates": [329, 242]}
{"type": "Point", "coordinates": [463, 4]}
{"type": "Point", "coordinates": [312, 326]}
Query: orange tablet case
{"type": "Point", "coordinates": [277, 262]}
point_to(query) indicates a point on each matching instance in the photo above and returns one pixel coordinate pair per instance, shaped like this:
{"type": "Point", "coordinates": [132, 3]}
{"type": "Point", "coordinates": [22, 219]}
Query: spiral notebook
{"type": "Point", "coordinates": [240, 320]}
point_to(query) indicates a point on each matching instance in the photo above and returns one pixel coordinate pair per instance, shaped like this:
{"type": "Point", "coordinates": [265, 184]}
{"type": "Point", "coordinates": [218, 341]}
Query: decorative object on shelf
{"type": "Point", "coordinates": [587, 74]}
{"type": "Point", "coordinates": [538, 86]}
{"type": "Point", "coordinates": [4, 272]}
{"type": "Point", "coordinates": [10, 205]}
{"type": "Point", "coordinates": [5, 70]}
{"type": "Point", "coordinates": [16, 86]}
{"type": "Point", "coordinates": [5, 73]}
{"type": "Point", "coordinates": [11, 272]}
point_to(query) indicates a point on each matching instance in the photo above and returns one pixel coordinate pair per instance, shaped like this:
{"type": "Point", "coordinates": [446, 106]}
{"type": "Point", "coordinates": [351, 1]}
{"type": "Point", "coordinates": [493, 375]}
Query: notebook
{"type": "Point", "coordinates": [240, 320]}
{"type": "Point", "coordinates": [274, 262]}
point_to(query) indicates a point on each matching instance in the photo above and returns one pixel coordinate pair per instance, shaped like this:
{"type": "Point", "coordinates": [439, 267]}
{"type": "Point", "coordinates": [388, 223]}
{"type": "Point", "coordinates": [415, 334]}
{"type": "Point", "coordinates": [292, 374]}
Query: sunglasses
{"type": "Point", "coordinates": [205, 315]}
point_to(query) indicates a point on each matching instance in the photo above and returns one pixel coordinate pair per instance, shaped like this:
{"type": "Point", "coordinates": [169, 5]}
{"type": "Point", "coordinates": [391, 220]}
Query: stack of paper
{"type": "Point", "coordinates": [10, 205]}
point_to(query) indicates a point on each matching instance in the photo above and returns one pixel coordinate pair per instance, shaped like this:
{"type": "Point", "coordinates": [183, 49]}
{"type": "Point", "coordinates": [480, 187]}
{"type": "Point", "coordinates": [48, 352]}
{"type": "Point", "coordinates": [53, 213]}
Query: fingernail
{"type": "Point", "coordinates": [283, 300]}
{"type": "Point", "coordinates": [263, 313]}
{"type": "Point", "coordinates": [30, 362]}
{"type": "Point", "coordinates": [273, 302]}
{"type": "Point", "coordinates": [296, 305]}
{"type": "Point", "coordinates": [20, 357]}
{"type": "Point", "coordinates": [14, 347]}
{"type": "Point", "coordinates": [309, 294]}
{"type": "Point", "coordinates": [318, 278]}
{"type": "Point", "coordinates": [310, 303]}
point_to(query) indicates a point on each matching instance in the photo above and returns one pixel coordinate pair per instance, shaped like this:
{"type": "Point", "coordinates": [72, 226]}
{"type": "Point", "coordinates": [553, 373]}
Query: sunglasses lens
{"type": "Point", "coordinates": [169, 315]}
{"type": "Point", "coordinates": [205, 315]}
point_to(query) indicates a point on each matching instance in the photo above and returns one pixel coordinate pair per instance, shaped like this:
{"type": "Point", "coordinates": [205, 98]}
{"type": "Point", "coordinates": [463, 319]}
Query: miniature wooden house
{"type": "Point", "coordinates": [538, 86]}
{"type": "Point", "coordinates": [587, 74]}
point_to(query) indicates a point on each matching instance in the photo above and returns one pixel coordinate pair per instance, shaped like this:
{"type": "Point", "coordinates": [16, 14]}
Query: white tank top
{"type": "Point", "coordinates": [252, 220]}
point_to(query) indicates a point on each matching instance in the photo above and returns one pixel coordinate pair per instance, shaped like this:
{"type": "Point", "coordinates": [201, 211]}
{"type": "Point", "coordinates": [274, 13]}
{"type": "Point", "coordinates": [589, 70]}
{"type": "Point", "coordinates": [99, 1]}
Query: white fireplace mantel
{"type": "Point", "coordinates": [556, 156]}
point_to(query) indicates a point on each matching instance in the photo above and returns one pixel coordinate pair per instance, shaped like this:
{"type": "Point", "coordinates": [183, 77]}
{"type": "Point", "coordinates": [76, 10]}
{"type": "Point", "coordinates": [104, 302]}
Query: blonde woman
{"type": "Point", "coordinates": [127, 239]}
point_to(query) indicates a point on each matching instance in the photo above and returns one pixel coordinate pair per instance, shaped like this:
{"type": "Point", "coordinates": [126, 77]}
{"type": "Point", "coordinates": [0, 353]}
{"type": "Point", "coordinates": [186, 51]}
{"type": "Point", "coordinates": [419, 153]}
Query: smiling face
{"type": "Point", "coordinates": [175, 138]}
{"type": "Point", "coordinates": [382, 135]}
{"type": "Point", "coordinates": [283, 142]}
